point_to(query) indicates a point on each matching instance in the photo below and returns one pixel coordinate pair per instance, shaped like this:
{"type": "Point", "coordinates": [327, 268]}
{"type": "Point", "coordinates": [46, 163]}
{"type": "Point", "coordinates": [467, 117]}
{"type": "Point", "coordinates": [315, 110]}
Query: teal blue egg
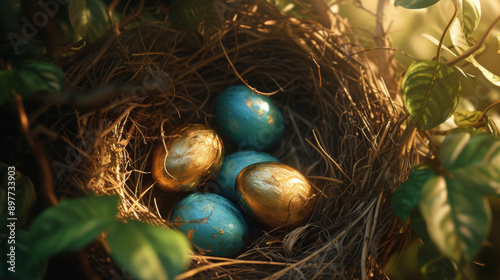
{"type": "Point", "coordinates": [212, 222]}
{"type": "Point", "coordinates": [231, 167]}
{"type": "Point", "coordinates": [250, 120]}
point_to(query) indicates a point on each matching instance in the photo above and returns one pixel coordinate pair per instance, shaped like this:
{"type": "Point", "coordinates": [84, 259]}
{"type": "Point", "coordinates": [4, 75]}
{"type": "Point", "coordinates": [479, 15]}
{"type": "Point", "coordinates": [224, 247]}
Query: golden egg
{"type": "Point", "coordinates": [191, 154]}
{"type": "Point", "coordinates": [275, 195]}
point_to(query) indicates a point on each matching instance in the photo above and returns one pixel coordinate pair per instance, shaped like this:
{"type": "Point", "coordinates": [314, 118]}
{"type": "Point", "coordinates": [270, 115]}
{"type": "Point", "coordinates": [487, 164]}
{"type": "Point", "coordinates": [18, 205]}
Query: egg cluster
{"type": "Point", "coordinates": [252, 183]}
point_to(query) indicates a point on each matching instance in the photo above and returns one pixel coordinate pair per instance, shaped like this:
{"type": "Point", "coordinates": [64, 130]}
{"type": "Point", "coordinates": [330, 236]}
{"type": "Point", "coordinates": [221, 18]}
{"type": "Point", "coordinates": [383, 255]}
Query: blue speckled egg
{"type": "Point", "coordinates": [212, 222]}
{"type": "Point", "coordinates": [233, 164]}
{"type": "Point", "coordinates": [250, 120]}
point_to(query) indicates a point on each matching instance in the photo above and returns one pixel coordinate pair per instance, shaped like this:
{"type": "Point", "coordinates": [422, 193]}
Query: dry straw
{"type": "Point", "coordinates": [342, 132]}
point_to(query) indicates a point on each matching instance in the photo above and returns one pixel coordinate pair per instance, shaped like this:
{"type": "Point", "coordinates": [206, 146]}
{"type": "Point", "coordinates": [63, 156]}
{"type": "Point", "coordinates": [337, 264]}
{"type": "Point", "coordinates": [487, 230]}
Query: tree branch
{"type": "Point", "coordinates": [385, 59]}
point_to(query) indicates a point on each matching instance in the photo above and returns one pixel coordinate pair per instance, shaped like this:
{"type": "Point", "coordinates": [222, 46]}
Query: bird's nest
{"type": "Point", "coordinates": [342, 131]}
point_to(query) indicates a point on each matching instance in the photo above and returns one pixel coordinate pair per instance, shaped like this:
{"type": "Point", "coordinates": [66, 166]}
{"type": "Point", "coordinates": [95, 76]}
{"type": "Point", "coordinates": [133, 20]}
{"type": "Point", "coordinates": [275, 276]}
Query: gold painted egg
{"type": "Point", "coordinates": [191, 154]}
{"type": "Point", "coordinates": [275, 195]}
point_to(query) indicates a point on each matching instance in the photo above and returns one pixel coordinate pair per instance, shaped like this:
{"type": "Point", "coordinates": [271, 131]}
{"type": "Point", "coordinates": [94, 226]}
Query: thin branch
{"type": "Point", "coordinates": [443, 36]}
{"type": "Point", "coordinates": [483, 115]}
{"type": "Point", "coordinates": [45, 171]}
{"type": "Point", "coordinates": [475, 48]}
{"type": "Point", "coordinates": [67, 48]}
{"type": "Point", "coordinates": [112, 7]}
{"type": "Point", "coordinates": [392, 49]}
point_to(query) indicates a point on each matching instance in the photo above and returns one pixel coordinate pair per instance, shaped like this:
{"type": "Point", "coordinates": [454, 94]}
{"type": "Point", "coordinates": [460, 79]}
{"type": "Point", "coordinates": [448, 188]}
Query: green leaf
{"type": "Point", "coordinates": [468, 76]}
{"type": "Point", "coordinates": [463, 118]}
{"type": "Point", "coordinates": [89, 18]}
{"type": "Point", "coordinates": [458, 218]}
{"type": "Point", "coordinates": [406, 196]}
{"type": "Point", "coordinates": [494, 79]}
{"type": "Point", "coordinates": [39, 76]}
{"type": "Point", "coordinates": [418, 225]}
{"type": "Point", "coordinates": [430, 91]}
{"type": "Point", "coordinates": [457, 37]}
{"type": "Point", "coordinates": [149, 252]}
{"type": "Point", "coordinates": [17, 196]}
{"type": "Point", "coordinates": [491, 127]}
{"type": "Point", "coordinates": [71, 225]}
{"type": "Point", "coordinates": [7, 78]}
{"type": "Point", "coordinates": [434, 265]}
{"type": "Point", "coordinates": [469, 15]}
{"type": "Point", "coordinates": [415, 4]}
{"type": "Point", "coordinates": [460, 43]}
{"type": "Point", "coordinates": [473, 160]}
{"type": "Point", "coordinates": [451, 148]}
{"type": "Point", "coordinates": [24, 269]}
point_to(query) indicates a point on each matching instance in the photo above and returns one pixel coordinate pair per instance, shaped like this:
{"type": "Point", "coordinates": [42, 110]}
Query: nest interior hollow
{"type": "Point", "coordinates": [342, 131]}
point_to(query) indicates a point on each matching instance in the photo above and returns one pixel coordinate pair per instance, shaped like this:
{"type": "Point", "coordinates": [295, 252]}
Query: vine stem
{"type": "Point", "coordinates": [475, 48]}
{"type": "Point", "coordinates": [443, 36]}
{"type": "Point", "coordinates": [483, 115]}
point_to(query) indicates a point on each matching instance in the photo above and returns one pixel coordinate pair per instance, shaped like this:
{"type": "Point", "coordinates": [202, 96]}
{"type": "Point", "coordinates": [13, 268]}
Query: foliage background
{"type": "Point", "coordinates": [406, 27]}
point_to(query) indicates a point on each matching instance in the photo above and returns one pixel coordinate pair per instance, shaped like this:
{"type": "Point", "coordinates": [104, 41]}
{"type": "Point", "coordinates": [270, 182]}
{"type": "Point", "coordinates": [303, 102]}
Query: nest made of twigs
{"type": "Point", "coordinates": [342, 132]}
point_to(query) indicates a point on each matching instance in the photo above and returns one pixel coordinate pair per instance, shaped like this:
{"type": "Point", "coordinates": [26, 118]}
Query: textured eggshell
{"type": "Point", "coordinates": [275, 195]}
{"type": "Point", "coordinates": [250, 120]}
{"type": "Point", "coordinates": [232, 166]}
{"type": "Point", "coordinates": [195, 152]}
{"type": "Point", "coordinates": [212, 222]}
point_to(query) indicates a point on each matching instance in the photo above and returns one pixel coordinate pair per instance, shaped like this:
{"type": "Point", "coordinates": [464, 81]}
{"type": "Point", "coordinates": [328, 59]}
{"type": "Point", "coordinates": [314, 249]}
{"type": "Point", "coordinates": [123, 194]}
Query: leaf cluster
{"type": "Point", "coordinates": [143, 250]}
{"type": "Point", "coordinates": [445, 199]}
